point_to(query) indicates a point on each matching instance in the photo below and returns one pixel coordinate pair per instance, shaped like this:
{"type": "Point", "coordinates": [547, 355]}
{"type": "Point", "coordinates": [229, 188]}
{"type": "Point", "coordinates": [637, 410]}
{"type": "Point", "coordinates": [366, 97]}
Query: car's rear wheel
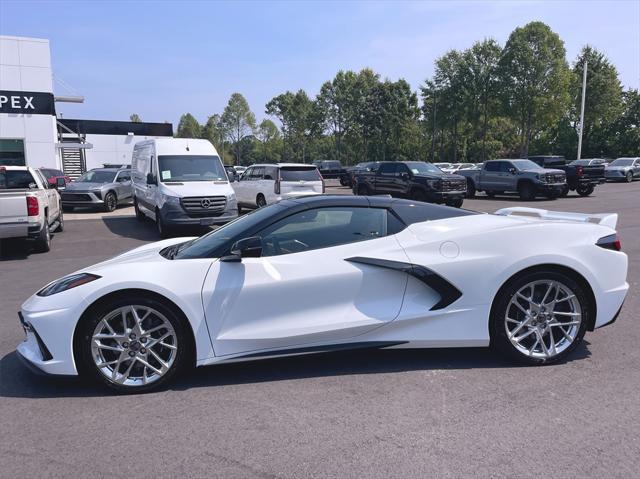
{"type": "Point", "coordinates": [363, 190]}
{"type": "Point", "coordinates": [629, 177]}
{"type": "Point", "coordinates": [43, 241]}
{"type": "Point", "coordinates": [60, 228]}
{"type": "Point", "coordinates": [261, 201]}
{"type": "Point", "coordinates": [585, 190]}
{"type": "Point", "coordinates": [540, 317]}
{"type": "Point", "coordinates": [526, 191]}
{"type": "Point", "coordinates": [471, 189]}
{"type": "Point", "coordinates": [132, 344]}
{"type": "Point", "coordinates": [110, 202]}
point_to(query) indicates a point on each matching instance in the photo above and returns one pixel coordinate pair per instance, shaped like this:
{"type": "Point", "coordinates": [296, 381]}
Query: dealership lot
{"type": "Point", "coordinates": [374, 414]}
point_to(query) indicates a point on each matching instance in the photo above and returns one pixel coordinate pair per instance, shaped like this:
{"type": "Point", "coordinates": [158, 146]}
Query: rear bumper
{"type": "Point", "coordinates": [609, 305]}
{"type": "Point", "coordinates": [14, 230]}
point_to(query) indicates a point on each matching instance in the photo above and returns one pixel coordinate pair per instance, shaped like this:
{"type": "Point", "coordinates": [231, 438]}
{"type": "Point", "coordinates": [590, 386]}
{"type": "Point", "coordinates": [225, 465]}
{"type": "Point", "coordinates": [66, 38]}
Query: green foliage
{"type": "Point", "coordinates": [135, 118]}
{"type": "Point", "coordinates": [238, 121]}
{"type": "Point", "coordinates": [188, 127]}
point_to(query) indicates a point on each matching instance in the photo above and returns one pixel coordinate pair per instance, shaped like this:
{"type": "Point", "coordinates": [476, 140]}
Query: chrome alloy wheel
{"type": "Point", "coordinates": [543, 319]}
{"type": "Point", "coordinates": [134, 345]}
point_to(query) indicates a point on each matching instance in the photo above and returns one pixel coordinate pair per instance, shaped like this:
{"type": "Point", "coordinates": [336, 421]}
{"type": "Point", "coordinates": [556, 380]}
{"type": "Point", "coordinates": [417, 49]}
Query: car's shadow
{"type": "Point", "coordinates": [18, 381]}
{"type": "Point", "coordinates": [146, 230]}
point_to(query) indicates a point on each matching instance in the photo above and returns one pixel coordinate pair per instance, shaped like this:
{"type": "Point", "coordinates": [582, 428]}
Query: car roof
{"type": "Point", "coordinates": [111, 170]}
{"type": "Point", "coordinates": [380, 201]}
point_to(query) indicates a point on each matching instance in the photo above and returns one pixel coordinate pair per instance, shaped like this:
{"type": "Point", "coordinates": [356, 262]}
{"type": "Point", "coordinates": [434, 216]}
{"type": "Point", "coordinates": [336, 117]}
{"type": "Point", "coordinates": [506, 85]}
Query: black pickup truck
{"type": "Point", "coordinates": [417, 180]}
{"type": "Point", "coordinates": [330, 169]}
{"type": "Point", "coordinates": [582, 176]}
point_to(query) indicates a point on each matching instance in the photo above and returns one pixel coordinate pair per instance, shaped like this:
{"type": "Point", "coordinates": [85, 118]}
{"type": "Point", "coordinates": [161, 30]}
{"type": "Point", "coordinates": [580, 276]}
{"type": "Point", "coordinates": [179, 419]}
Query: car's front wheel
{"type": "Point", "coordinates": [132, 344]}
{"type": "Point", "coordinates": [110, 202]}
{"type": "Point", "coordinates": [629, 177]}
{"type": "Point", "coordinates": [540, 317]}
{"type": "Point", "coordinates": [585, 190]}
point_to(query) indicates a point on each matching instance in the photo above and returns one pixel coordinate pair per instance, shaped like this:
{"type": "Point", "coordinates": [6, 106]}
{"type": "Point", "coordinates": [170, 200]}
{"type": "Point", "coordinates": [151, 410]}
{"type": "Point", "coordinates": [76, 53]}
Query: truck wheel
{"type": "Point", "coordinates": [110, 202]}
{"type": "Point", "coordinates": [629, 177]}
{"type": "Point", "coordinates": [344, 182]}
{"type": "Point", "coordinates": [363, 190]}
{"type": "Point", "coordinates": [526, 191]}
{"type": "Point", "coordinates": [565, 191]}
{"type": "Point", "coordinates": [418, 195]}
{"type": "Point", "coordinates": [60, 222]}
{"type": "Point", "coordinates": [471, 189]}
{"type": "Point", "coordinates": [139, 214]}
{"type": "Point", "coordinates": [163, 230]}
{"type": "Point", "coordinates": [585, 190]}
{"type": "Point", "coordinates": [43, 241]}
{"type": "Point", "coordinates": [261, 202]}
{"type": "Point", "coordinates": [456, 203]}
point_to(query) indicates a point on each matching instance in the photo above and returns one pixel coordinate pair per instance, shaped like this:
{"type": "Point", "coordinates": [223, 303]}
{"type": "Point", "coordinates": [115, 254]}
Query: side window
{"type": "Point", "coordinates": [505, 166]}
{"type": "Point", "coordinates": [123, 176]}
{"type": "Point", "coordinates": [492, 166]}
{"type": "Point", "coordinates": [270, 173]}
{"type": "Point", "coordinates": [323, 228]}
{"type": "Point", "coordinates": [402, 168]}
{"type": "Point", "coordinates": [258, 173]}
{"type": "Point", "coordinates": [246, 176]}
{"type": "Point", "coordinates": [388, 169]}
{"type": "Point", "coordinates": [43, 180]}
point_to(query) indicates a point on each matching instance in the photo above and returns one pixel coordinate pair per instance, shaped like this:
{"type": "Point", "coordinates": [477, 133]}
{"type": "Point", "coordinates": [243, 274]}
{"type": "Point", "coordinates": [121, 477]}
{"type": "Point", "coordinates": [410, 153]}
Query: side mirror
{"type": "Point", "coordinates": [245, 248]}
{"type": "Point", "coordinates": [60, 183]}
{"type": "Point", "coordinates": [151, 179]}
{"type": "Point", "coordinates": [512, 170]}
{"type": "Point", "coordinates": [405, 175]}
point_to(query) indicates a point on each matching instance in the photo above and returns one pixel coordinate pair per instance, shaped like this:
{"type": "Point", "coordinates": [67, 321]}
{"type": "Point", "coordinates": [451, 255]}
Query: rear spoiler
{"type": "Point", "coordinates": [604, 219]}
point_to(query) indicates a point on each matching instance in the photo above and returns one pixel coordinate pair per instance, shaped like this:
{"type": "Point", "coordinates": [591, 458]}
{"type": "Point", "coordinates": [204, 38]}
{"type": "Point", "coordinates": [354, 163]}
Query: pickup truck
{"type": "Point", "coordinates": [330, 169]}
{"type": "Point", "coordinates": [30, 207]}
{"type": "Point", "coordinates": [417, 180]}
{"type": "Point", "coordinates": [522, 176]}
{"type": "Point", "coordinates": [582, 175]}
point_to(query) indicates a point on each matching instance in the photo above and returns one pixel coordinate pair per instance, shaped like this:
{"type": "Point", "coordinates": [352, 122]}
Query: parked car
{"type": "Point", "coordinates": [623, 169]}
{"type": "Point", "coordinates": [262, 185]}
{"type": "Point", "coordinates": [347, 178]}
{"type": "Point", "coordinates": [591, 162]}
{"type": "Point", "coordinates": [330, 168]}
{"type": "Point", "coordinates": [329, 273]}
{"type": "Point", "coordinates": [30, 206]}
{"type": "Point", "coordinates": [582, 175]}
{"type": "Point", "coordinates": [239, 169]}
{"type": "Point", "coordinates": [458, 166]}
{"type": "Point", "coordinates": [417, 180]}
{"type": "Point", "coordinates": [104, 188]}
{"type": "Point", "coordinates": [52, 176]}
{"type": "Point", "coordinates": [181, 182]}
{"type": "Point", "coordinates": [231, 173]}
{"type": "Point", "coordinates": [525, 177]}
{"type": "Point", "coordinates": [443, 166]}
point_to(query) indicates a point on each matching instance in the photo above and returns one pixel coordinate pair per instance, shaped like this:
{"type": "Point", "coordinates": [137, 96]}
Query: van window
{"type": "Point", "coordinates": [190, 168]}
{"type": "Point", "coordinates": [299, 173]}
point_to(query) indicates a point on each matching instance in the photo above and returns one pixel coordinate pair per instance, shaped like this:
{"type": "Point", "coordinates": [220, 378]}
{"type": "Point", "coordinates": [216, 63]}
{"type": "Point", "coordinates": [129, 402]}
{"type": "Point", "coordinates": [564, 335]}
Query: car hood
{"type": "Point", "coordinates": [197, 188]}
{"type": "Point", "coordinates": [543, 171]}
{"type": "Point", "coordinates": [84, 186]}
{"type": "Point", "coordinates": [443, 176]}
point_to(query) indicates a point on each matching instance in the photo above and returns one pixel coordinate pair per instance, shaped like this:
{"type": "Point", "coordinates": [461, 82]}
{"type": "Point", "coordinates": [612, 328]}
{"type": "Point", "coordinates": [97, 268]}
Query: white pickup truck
{"type": "Point", "coordinates": [30, 207]}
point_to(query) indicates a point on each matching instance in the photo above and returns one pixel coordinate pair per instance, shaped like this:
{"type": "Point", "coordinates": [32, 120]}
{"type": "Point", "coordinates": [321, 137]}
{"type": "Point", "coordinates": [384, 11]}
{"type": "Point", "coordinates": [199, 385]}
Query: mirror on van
{"type": "Point", "coordinates": [151, 179]}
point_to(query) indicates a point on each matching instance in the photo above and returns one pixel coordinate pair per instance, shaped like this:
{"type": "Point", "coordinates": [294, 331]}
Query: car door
{"type": "Point", "coordinates": [636, 168]}
{"type": "Point", "coordinates": [307, 287]}
{"type": "Point", "coordinates": [241, 186]}
{"type": "Point", "coordinates": [50, 195]}
{"type": "Point", "coordinates": [490, 175]}
{"type": "Point", "coordinates": [123, 182]}
{"type": "Point", "coordinates": [386, 178]}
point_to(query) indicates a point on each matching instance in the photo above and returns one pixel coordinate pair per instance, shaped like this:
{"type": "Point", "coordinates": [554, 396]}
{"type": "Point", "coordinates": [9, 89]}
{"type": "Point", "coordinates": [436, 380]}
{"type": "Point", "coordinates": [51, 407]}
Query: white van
{"type": "Point", "coordinates": [181, 181]}
{"type": "Point", "coordinates": [262, 185]}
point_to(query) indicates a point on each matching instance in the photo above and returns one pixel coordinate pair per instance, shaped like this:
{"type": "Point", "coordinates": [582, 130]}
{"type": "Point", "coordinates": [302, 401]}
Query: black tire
{"type": "Point", "coordinates": [89, 321]}
{"type": "Point", "coordinates": [140, 216]}
{"type": "Point", "coordinates": [261, 202]}
{"type": "Point", "coordinates": [42, 243]}
{"type": "Point", "coordinates": [67, 208]}
{"type": "Point", "coordinates": [60, 228]}
{"type": "Point", "coordinates": [526, 191]}
{"type": "Point", "coordinates": [499, 338]}
{"type": "Point", "coordinates": [418, 195]}
{"type": "Point", "coordinates": [471, 189]}
{"type": "Point", "coordinates": [565, 191]}
{"type": "Point", "coordinates": [363, 190]}
{"type": "Point", "coordinates": [456, 203]}
{"type": "Point", "coordinates": [110, 202]}
{"type": "Point", "coordinates": [585, 190]}
{"type": "Point", "coordinates": [163, 230]}
{"type": "Point", "coordinates": [343, 182]}
{"type": "Point", "coordinates": [629, 177]}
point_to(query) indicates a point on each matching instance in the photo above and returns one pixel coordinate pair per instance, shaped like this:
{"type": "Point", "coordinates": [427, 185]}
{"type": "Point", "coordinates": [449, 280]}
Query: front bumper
{"type": "Point", "coordinates": [445, 196]}
{"type": "Point", "coordinates": [615, 175]}
{"type": "Point", "coordinates": [175, 215]}
{"type": "Point", "coordinates": [550, 187]}
{"type": "Point", "coordinates": [81, 198]}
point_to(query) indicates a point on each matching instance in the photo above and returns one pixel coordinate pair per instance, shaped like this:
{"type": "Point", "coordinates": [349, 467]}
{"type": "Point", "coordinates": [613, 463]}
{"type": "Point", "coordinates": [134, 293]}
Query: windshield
{"type": "Point", "coordinates": [299, 174]}
{"type": "Point", "coordinates": [204, 246]}
{"type": "Point", "coordinates": [526, 165]}
{"type": "Point", "coordinates": [97, 176]}
{"type": "Point", "coordinates": [421, 168]}
{"type": "Point", "coordinates": [622, 162]}
{"type": "Point", "coordinates": [16, 179]}
{"type": "Point", "coordinates": [190, 168]}
{"type": "Point", "coordinates": [48, 174]}
{"type": "Point", "coordinates": [580, 162]}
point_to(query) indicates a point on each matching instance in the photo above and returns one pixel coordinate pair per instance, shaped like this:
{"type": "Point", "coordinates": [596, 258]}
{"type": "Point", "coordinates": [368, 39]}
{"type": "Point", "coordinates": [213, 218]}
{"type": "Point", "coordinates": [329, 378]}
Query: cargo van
{"type": "Point", "coordinates": [180, 182]}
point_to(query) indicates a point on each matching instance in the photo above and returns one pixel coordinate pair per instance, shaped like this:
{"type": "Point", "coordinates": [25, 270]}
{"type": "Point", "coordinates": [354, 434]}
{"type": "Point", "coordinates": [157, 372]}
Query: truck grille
{"type": "Point", "coordinates": [555, 178]}
{"type": "Point", "coordinates": [75, 197]}
{"type": "Point", "coordinates": [454, 185]}
{"type": "Point", "coordinates": [204, 205]}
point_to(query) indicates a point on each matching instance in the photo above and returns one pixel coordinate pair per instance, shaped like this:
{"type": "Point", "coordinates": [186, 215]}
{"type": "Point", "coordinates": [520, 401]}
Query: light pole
{"type": "Point", "coordinates": [584, 94]}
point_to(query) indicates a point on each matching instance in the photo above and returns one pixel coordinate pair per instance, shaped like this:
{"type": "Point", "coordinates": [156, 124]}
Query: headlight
{"type": "Point", "coordinates": [172, 200]}
{"type": "Point", "coordinates": [434, 183]}
{"type": "Point", "coordinates": [68, 282]}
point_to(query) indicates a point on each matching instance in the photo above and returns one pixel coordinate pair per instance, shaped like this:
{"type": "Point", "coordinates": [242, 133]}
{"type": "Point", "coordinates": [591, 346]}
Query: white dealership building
{"type": "Point", "coordinates": [30, 132]}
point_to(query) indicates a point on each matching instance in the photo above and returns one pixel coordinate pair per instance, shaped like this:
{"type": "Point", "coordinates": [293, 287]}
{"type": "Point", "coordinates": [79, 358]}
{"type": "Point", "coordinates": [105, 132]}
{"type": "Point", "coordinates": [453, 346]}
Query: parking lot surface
{"type": "Point", "coordinates": [422, 413]}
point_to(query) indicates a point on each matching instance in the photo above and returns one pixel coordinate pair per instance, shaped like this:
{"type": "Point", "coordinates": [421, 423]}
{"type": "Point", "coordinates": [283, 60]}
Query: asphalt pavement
{"type": "Point", "coordinates": [422, 413]}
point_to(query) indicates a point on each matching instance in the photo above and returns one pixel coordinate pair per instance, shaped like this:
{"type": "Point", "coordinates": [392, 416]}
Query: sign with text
{"type": "Point", "coordinates": [27, 102]}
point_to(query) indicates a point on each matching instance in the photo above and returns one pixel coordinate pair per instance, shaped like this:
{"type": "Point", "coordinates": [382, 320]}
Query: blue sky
{"type": "Point", "coordinates": [162, 58]}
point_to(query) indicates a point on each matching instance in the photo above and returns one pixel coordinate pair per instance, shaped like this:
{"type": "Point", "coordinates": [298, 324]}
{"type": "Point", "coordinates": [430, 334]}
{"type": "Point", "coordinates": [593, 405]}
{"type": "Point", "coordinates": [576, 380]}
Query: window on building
{"type": "Point", "coordinates": [12, 152]}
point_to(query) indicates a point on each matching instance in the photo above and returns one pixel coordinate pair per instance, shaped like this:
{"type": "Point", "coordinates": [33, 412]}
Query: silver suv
{"type": "Point", "coordinates": [101, 187]}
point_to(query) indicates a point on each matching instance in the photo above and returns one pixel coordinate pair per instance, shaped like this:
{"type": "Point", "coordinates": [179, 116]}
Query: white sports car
{"type": "Point", "coordinates": [327, 273]}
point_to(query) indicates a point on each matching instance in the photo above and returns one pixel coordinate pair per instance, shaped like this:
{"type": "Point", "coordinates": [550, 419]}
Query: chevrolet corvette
{"type": "Point", "coordinates": [326, 273]}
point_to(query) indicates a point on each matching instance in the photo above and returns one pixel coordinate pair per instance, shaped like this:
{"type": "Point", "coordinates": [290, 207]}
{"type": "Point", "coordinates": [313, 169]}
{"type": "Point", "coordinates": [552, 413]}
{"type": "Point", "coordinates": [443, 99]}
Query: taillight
{"type": "Point", "coordinates": [610, 242]}
{"type": "Point", "coordinates": [32, 206]}
{"type": "Point", "coordinates": [276, 187]}
{"type": "Point", "coordinates": [580, 171]}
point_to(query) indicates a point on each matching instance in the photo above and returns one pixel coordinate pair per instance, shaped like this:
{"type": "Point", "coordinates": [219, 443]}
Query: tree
{"type": "Point", "coordinates": [268, 136]}
{"type": "Point", "coordinates": [535, 80]}
{"type": "Point", "coordinates": [239, 122]}
{"type": "Point", "coordinates": [188, 127]}
{"type": "Point", "coordinates": [214, 131]}
{"type": "Point", "coordinates": [134, 118]}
